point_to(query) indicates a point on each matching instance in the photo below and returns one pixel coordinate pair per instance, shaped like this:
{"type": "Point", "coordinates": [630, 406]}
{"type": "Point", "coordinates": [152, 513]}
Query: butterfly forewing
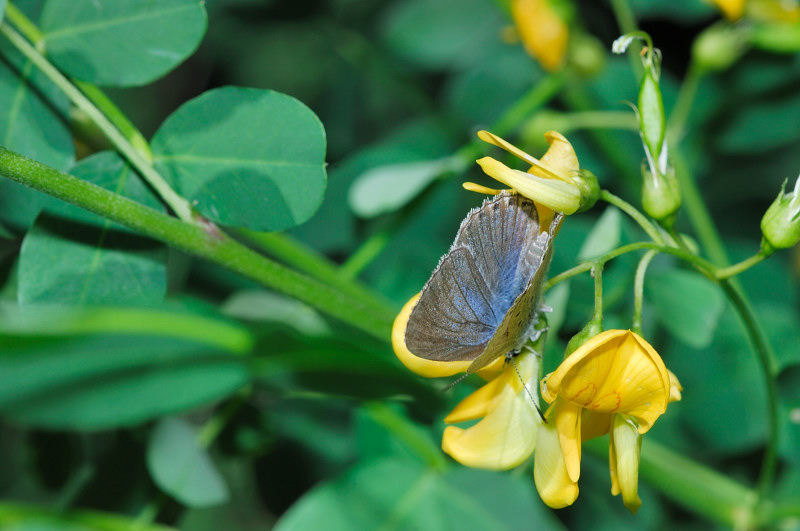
{"type": "Point", "coordinates": [479, 289]}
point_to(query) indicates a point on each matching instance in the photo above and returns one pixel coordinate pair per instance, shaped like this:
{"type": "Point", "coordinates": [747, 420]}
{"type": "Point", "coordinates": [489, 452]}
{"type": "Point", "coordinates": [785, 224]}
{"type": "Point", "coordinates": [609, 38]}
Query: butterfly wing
{"type": "Point", "coordinates": [467, 300]}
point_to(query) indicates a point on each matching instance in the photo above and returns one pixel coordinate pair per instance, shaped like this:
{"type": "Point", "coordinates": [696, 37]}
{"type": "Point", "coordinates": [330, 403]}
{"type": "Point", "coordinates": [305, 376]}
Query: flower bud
{"type": "Point", "coordinates": [652, 124]}
{"type": "Point", "coordinates": [779, 37]}
{"type": "Point", "coordinates": [781, 223]}
{"type": "Point", "coordinates": [719, 46]}
{"type": "Point", "coordinates": [586, 182]}
{"type": "Point", "coordinates": [591, 329]}
{"type": "Point", "coordinates": [661, 194]}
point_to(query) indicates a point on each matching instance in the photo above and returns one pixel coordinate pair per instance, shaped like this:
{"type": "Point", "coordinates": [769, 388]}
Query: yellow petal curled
{"type": "Point", "coordinates": [616, 371]}
{"type": "Point", "coordinates": [555, 487]}
{"type": "Point", "coordinates": [503, 439]}
{"type": "Point", "coordinates": [567, 420]}
{"type": "Point", "coordinates": [624, 450]}
{"type": "Point", "coordinates": [422, 366]}
{"type": "Point", "coordinates": [674, 387]}
{"type": "Point", "coordinates": [543, 33]}
{"type": "Point", "coordinates": [557, 195]}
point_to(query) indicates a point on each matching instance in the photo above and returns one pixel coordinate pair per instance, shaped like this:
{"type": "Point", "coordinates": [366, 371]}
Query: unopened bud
{"type": "Point", "coordinates": [780, 225]}
{"type": "Point", "coordinates": [661, 194]}
{"type": "Point", "coordinates": [719, 46]}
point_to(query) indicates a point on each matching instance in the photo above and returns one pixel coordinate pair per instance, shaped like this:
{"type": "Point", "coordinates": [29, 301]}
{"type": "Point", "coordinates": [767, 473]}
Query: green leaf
{"type": "Point", "coordinates": [27, 517]}
{"type": "Point", "coordinates": [2, 9]}
{"type": "Point", "coordinates": [604, 237]}
{"type": "Point", "coordinates": [686, 303]}
{"type": "Point", "coordinates": [268, 181]}
{"type": "Point", "coordinates": [417, 498]}
{"type": "Point", "coordinates": [388, 188]}
{"type": "Point", "coordinates": [181, 467]}
{"type": "Point", "coordinates": [121, 42]}
{"type": "Point", "coordinates": [33, 123]}
{"type": "Point", "coordinates": [444, 34]}
{"type": "Point", "coordinates": [73, 256]}
{"type": "Point", "coordinates": [107, 368]}
{"type": "Point", "coordinates": [262, 305]}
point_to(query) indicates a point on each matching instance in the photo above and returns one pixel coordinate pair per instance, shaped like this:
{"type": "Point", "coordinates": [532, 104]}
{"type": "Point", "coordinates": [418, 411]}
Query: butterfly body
{"type": "Point", "coordinates": [480, 302]}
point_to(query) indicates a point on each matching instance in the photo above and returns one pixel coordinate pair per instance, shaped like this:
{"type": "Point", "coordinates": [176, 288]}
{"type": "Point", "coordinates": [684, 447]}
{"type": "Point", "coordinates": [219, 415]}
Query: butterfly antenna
{"type": "Point", "coordinates": [510, 357]}
{"type": "Point", "coordinates": [456, 381]}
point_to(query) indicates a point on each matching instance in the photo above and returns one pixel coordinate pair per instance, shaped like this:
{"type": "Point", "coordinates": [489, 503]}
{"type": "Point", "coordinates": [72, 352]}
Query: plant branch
{"type": "Point", "coordinates": [206, 242]}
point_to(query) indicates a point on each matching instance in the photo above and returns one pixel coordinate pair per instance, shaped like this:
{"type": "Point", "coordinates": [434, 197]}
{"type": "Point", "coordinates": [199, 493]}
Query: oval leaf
{"type": "Point", "coordinates": [388, 188]}
{"type": "Point", "coordinates": [180, 466]}
{"type": "Point", "coordinates": [121, 43]}
{"type": "Point", "coordinates": [687, 304]}
{"type": "Point", "coordinates": [270, 180]}
{"type": "Point", "coordinates": [73, 256]}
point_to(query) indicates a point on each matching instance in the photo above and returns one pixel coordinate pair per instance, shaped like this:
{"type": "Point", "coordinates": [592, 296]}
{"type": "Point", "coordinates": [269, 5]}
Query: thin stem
{"type": "Point", "coordinates": [23, 23]}
{"type": "Point", "coordinates": [366, 253]}
{"type": "Point", "coordinates": [637, 216]}
{"type": "Point", "coordinates": [638, 290]}
{"type": "Point", "coordinates": [680, 112]}
{"type": "Point", "coordinates": [744, 265]}
{"type": "Point", "coordinates": [537, 96]}
{"type": "Point", "coordinates": [207, 242]}
{"type": "Point", "coordinates": [178, 204]}
{"type": "Point", "coordinates": [597, 273]}
{"type": "Point", "coordinates": [214, 426]}
{"type": "Point", "coordinates": [627, 24]}
{"type": "Point", "coordinates": [601, 120]}
{"type": "Point", "coordinates": [768, 364]}
{"type": "Point", "coordinates": [308, 261]}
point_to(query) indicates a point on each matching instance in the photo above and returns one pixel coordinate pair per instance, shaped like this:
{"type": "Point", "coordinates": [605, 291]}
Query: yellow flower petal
{"type": "Point", "coordinates": [732, 9]}
{"type": "Point", "coordinates": [542, 31]}
{"type": "Point", "coordinates": [505, 437]}
{"type": "Point", "coordinates": [594, 424]}
{"type": "Point", "coordinates": [615, 371]}
{"type": "Point", "coordinates": [555, 487]}
{"type": "Point", "coordinates": [554, 194]}
{"type": "Point", "coordinates": [479, 403]}
{"type": "Point", "coordinates": [624, 450]}
{"type": "Point", "coordinates": [674, 387]}
{"type": "Point", "coordinates": [567, 419]}
{"type": "Point", "coordinates": [560, 158]}
{"type": "Point", "coordinates": [422, 366]}
{"type": "Point", "coordinates": [473, 187]}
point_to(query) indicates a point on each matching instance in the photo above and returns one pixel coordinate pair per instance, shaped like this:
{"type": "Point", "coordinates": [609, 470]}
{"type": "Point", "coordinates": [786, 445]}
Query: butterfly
{"type": "Point", "coordinates": [481, 300]}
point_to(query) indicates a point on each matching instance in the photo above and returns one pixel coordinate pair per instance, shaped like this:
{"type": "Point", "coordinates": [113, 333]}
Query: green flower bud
{"type": "Point", "coordinates": [661, 194]}
{"type": "Point", "coordinates": [719, 46]}
{"type": "Point", "coordinates": [591, 329]}
{"type": "Point", "coordinates": [586, 182]}
{"type": "Point", "coordinates": [652, 124]}
{"type": "Point", "coordinates": [781, 222]}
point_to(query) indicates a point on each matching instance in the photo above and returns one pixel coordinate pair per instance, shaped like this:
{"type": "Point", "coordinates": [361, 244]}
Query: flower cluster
{"type": "Point", "coordinates": [615, 383]}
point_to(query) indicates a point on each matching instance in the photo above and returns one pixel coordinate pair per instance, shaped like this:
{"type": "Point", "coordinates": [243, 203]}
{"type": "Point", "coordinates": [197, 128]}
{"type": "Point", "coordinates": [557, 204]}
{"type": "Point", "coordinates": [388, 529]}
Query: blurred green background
{"type": "Point", "coordinates": [317, 425]}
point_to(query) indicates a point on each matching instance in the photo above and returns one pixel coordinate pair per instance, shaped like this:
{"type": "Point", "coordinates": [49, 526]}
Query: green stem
{"type": "Point", "coordinates": [601, 120]}
{"type": "Point", "coordinates": [597, 273]}
{"type": "Point", "coordinates": [680, 112]}
{"type": "Point", "coordinates": [366, 253]}
{"type": "Point", "coordinates": [637, 216]}
{"type": "Point", "coordinates": [308, 261]}
{"type": "Point", "coordinates": [407, 433]}
{"type": "Point", "coordinates": [537, 96]}
{"type": "Point", "coordinates": [638, 290]}
{"type": "Point", "coordinates": [769, 368]}
{"type": "Point", "coordinates": [207, 242]}
{"type": "Point", "coordinates": [178, 204]}
{"type": "Point", "coordinates": [744, 265]}
{"type": "Point", "coordinates": [28, 28]}
{"type": "Point", "coordinates": [214, 426]}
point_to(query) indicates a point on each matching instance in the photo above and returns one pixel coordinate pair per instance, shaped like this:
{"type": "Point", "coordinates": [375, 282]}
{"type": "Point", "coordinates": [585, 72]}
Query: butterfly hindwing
{"type": "Point", "coordinates": [480, 301]}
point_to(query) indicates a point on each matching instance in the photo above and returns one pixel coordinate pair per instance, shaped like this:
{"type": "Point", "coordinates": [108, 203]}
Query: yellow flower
{"type": "Point", "coordinates": [422, 366]}
{"type": "Point", "coordinates": [543, 33]}
{"type": "Point", "coordinates": [555, 182]}
{"type": "Point", "coordinates": [506, 434]}
{"type": "Point", "coordinates": [732, 9]}
{"type": "Point", "coordinates": [615, 382]}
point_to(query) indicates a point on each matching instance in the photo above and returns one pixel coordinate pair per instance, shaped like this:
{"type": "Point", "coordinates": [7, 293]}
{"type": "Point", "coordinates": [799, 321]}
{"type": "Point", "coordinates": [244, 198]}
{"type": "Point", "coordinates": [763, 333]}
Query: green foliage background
{"type": "Point", "coordinates": [142, 384]}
